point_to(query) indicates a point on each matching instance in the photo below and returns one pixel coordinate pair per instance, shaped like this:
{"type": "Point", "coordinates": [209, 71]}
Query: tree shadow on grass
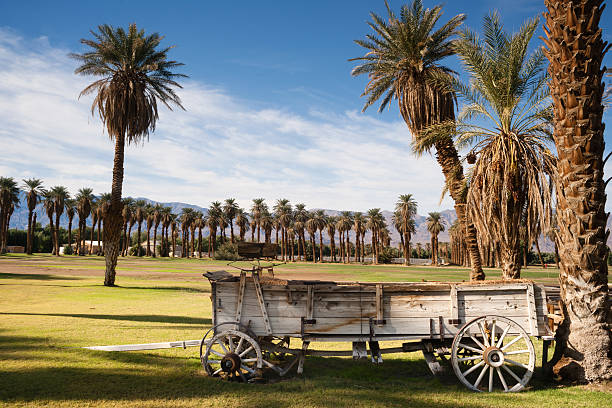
{"type": "Point", "coordinates": [35, 276]}
{"type": "Point", "coordinates": [132, 318]}
{"type": "Point", "coordinates": [172, 288]}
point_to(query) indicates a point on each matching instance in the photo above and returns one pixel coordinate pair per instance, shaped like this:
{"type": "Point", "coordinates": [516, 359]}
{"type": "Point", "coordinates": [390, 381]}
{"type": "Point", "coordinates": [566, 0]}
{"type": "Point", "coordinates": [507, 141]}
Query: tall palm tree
{"type": "Point", "coordinates": [102, 207]}
{"type": "Point", "coordinates": [375, 223]}
{"type": "Point", "coordinates": [300, 216]}
{"type": "Point", "coordinates": [311, 226]}
{"type": "Point", "coordinates": [507, 122]}
{"type": "Point", "coordinates": [230, 209]}
{"type": "Point", "coordinates": [157, 217]}
{"type": "Point", "coordinates": [359, 228]}
{"type": "Point", "coordinates": [345, 224]}
{"type": "Point", "coordinates": [331, 231]}
{"type": "Point", "coordinates": [212, 221]}
{"type": "Point", "coordinates": [242, 220]}
{"type": "Point", "coordinates": [84, 199]}
{"type": "Point", "coordinates": [48, 202]}
{"type": "Point", "coordinates": [435, 225]}
{"type": "Point", "coordinates": [403, 62]}
{"type": "Point", "coordinates": [70, 205]}
{"type": "Point", "coordinates": [257, 209]}
{"type": "Point", "coordinates": [406, 208]}
{"type": "Point", "coordinates": [575, 51]}
{"type": "Point", "coordinates": [284, 214]}
{"type": "Point", "coordinates": [94, 221]}
{"type": "Point", "coordinates": [9, 199]}
{"type": "Point", "coordinates": [149, 224]}
{"type": "Point", "coordinates": [60, 195]}
{"type": "Point", "coordinates": [134, 74]}
{"type": "Point", "coordinates": [127, 213]}
{"type": "Point", "coordinates": [174, 232]}
{"type": "Point", "coordinates": [140, 213]}
{"type": "Point", "coordinates": [33, 188]}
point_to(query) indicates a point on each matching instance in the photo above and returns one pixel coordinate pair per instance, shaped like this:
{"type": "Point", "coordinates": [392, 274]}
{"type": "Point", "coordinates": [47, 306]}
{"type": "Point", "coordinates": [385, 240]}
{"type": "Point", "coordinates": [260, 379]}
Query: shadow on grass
{"type": "Point", "coordinates": [35, 276]}
{"type": "Point", "coordinates": [174, 288]}
{"type": "Point", "coordinates": [131, 318]}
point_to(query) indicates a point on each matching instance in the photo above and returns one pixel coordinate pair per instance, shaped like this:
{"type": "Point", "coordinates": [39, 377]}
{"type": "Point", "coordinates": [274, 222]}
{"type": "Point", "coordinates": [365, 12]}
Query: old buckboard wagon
{"type": "Point", "coordinates": [483, 329]}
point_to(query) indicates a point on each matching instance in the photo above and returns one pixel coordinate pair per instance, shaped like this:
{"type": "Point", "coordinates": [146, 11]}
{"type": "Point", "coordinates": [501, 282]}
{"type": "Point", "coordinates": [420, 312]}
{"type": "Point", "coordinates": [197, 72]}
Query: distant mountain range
{"type": "Point", "coordinates": [20, 220]}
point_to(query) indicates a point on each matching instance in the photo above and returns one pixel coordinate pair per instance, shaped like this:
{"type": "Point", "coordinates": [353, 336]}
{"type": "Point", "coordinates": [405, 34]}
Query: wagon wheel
{"type": "Point", "coordinates": [503, 350]}
{"type": "Point", "coordinates": [276, 357]}
{"type": "Point", "coordinates": [233, 355]}
{"type": "Point", "coordinates": [272, 348]}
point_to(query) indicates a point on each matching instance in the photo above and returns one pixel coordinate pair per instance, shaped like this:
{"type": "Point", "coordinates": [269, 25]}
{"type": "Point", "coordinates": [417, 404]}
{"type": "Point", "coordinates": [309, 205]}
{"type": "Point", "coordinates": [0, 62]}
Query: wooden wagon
{"type": "Point", "coordinates": [484, 330]}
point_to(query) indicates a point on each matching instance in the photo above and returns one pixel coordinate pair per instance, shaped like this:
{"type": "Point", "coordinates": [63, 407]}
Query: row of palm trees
{"type": "Point", "coordinates": [287, 225]}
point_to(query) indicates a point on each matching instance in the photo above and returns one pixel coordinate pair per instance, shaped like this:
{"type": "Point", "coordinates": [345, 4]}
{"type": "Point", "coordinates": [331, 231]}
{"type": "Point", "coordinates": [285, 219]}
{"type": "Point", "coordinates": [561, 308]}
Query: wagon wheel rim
{"type": "Point", "coordinates": [233, 355]}
{"type": "Point", "coordinates": [503, 356]}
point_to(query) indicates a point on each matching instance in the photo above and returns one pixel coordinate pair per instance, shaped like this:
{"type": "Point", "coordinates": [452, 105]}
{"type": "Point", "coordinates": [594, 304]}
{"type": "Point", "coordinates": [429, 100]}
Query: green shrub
{"type": "Point", "coordinates": [68, 250]}
{"type": "Point", "coordinates": [134, 251]}
{"type": "Point", "coordinates": [227, 252]}
{"type": "Point", "coordinates": [386, 255]}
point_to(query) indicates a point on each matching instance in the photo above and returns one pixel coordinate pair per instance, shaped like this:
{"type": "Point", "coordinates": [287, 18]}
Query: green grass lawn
{"type": "Point", "coordinates": [50, 308]}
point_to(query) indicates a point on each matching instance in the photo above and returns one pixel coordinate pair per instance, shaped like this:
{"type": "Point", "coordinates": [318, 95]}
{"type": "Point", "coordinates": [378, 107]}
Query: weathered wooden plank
{"type": "Point", "coordinates": [532, 311]}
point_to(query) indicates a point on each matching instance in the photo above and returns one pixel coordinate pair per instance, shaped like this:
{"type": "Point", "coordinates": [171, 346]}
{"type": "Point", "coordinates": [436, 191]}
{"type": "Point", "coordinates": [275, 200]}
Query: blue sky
{"type": "Point", "coordinates": [271, 107]}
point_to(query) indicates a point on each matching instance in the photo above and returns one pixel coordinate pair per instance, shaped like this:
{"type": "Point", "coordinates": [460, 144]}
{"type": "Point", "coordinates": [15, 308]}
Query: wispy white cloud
{"type": "Point", "coordinates": [219, 147]}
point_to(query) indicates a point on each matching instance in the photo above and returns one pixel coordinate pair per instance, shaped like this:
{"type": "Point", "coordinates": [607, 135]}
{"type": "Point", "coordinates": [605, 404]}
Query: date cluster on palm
{"type": "Point", "coordinates": [575, 49]}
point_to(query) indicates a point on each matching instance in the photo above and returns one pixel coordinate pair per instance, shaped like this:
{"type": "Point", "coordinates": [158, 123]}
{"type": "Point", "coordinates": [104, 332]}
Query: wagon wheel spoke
{"type": "Point", "coordinates": [516, 363]}
{"type": "Point", "coordinates": [503, 336]}
{"type": "Point", "coordinates": [501, 378]}
{"type": "Point", "coordinates": [490, 379]}
{"type": "Point", "coordinates": [470, 348]}
{"type": "Point", "coordinates": [511, 373]}
{"type": "Point", "coordinates": [516, 352]}
{"type": "Point", "coordinates": [465, 374]}
{"type": "Point", "coordinates": [484, 334]}
{"type": "Point", "coordinates": [517, 338]}
{"type": "Point", "coordinates": [222, 346]}
{"type": "Point", "coordinates": [246, 351]}
{"type": "Point", "coordinates": [216, 353]}
{"type": "Point", "coordinates": [480, 376]}
{"type": "Point", "coordinates": [217, 372]}
{"type": "Point", "coordinates": [492, 334]}
{"type": "Point", "coordinates": [239, 346]}
{"type": "Point", "coordinates": [470, 358]}
{"type": "Point", "coordinates": [231, 343]}
{"type": "Point", "coordinates": [475, 340]}
{"type": "Point", "coordinates": [245, 367]}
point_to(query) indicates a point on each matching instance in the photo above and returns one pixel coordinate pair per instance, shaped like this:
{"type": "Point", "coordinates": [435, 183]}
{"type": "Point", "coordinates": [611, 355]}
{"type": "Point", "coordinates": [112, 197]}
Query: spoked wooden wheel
{"type": "Point", "coordinates": [503, 357]}
{"type": "Point", "coordinates": [233, 355]}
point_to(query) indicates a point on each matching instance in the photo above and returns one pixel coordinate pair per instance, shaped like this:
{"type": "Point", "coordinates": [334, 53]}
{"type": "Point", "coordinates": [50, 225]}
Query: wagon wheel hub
{"type": "Point", "coordinates": [493, 356]}
{"type": "Point", "coordinates": [231, 362]}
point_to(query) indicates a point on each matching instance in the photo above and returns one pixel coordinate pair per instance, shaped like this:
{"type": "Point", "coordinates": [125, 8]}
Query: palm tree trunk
{"type": "Point", "coordinates": [537, 245]}
{"type": "Point", "coordinates": [93, 227]}
{"type": "Point", "coordinates": [510, 261]}
{"type": "Point", "coordinates": [154, 239]}
{"type": "Point", "coordinates": [321, 246]}
{"type": "Point", "coordinates": [148, 241]}
{"type": "Point", "coordinates": [29, 238]}
{"type": "Point", "coordinates": [200, 241]}
{"type": "Point", "coordinates": [576, 50]}
{"type": "Point", "coordinates": [114, 219]}
{"type": "Point", "coordinates": [231, 222]}
{"type": "Point", "coordinates": [70, 232]}
{"type": "Point", "coordinates": [471, 242]}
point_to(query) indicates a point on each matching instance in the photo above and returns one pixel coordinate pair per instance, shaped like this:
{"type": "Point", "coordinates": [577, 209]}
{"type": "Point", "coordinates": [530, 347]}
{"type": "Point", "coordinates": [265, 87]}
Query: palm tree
{"type": "Point", "coordinates": [242, 220]}
{"type": "Point", "coordinates": [284, 214]}
{"type": "Point", "coordinates": [94, 220]}
{"type": "Point", "coordinates": [174, 233]}
{"type": "Point", "coordinates": [311, 226]}
{"type": "Point", "coordinates": [507, 123]}
{"type": "Point", "coordinates": [257, 209]}
{"type": "Point", "coordinates": [149, 224]}
{"type": "Point", "coordinates": [375, 223]}
{"type": "Point", "coordinates": [157, 216]}
{"type": "Point", "coordinates": [406, 208]}
{"type": "Point", "coordinates": [34, 188]}
{"type": "Point", "coordinates": [359, 228]}
{"type": "Point", "coordinates": [49, 206]}
{"type": "Point", "coordinates": [9, 199]}
{"type": "Point", "coordinates": [331, 231]}
{"type": "Point", "coordinates": [402, 62]}
{"type": "Point", "coordinates": [434, 226]}
{"type": "Point", "coordinates": [140, 213]}
{"type": "Point", "coordinates": [102, 210]}
{"type": "Point", "coordinates": [345, 224]}
{"type": "Point", "coordinates": [134, 75]}
{"type": "Point", "coordinates": [60, 195]}
{"type": "Point", "coordinates": [230, 210]}
{"type": "Point", "coordinates": [127, 214]}
{"type": "Point", "coordinates": [212, 221]}
{"type": "Point", "coordinates": [300, 216]}
{"type": "Point", "coordinates": [575, 51]}
{"type": "Point", "coordinates": [70, 205]}
{"type": "Point", "coordinates": [84, 199]}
